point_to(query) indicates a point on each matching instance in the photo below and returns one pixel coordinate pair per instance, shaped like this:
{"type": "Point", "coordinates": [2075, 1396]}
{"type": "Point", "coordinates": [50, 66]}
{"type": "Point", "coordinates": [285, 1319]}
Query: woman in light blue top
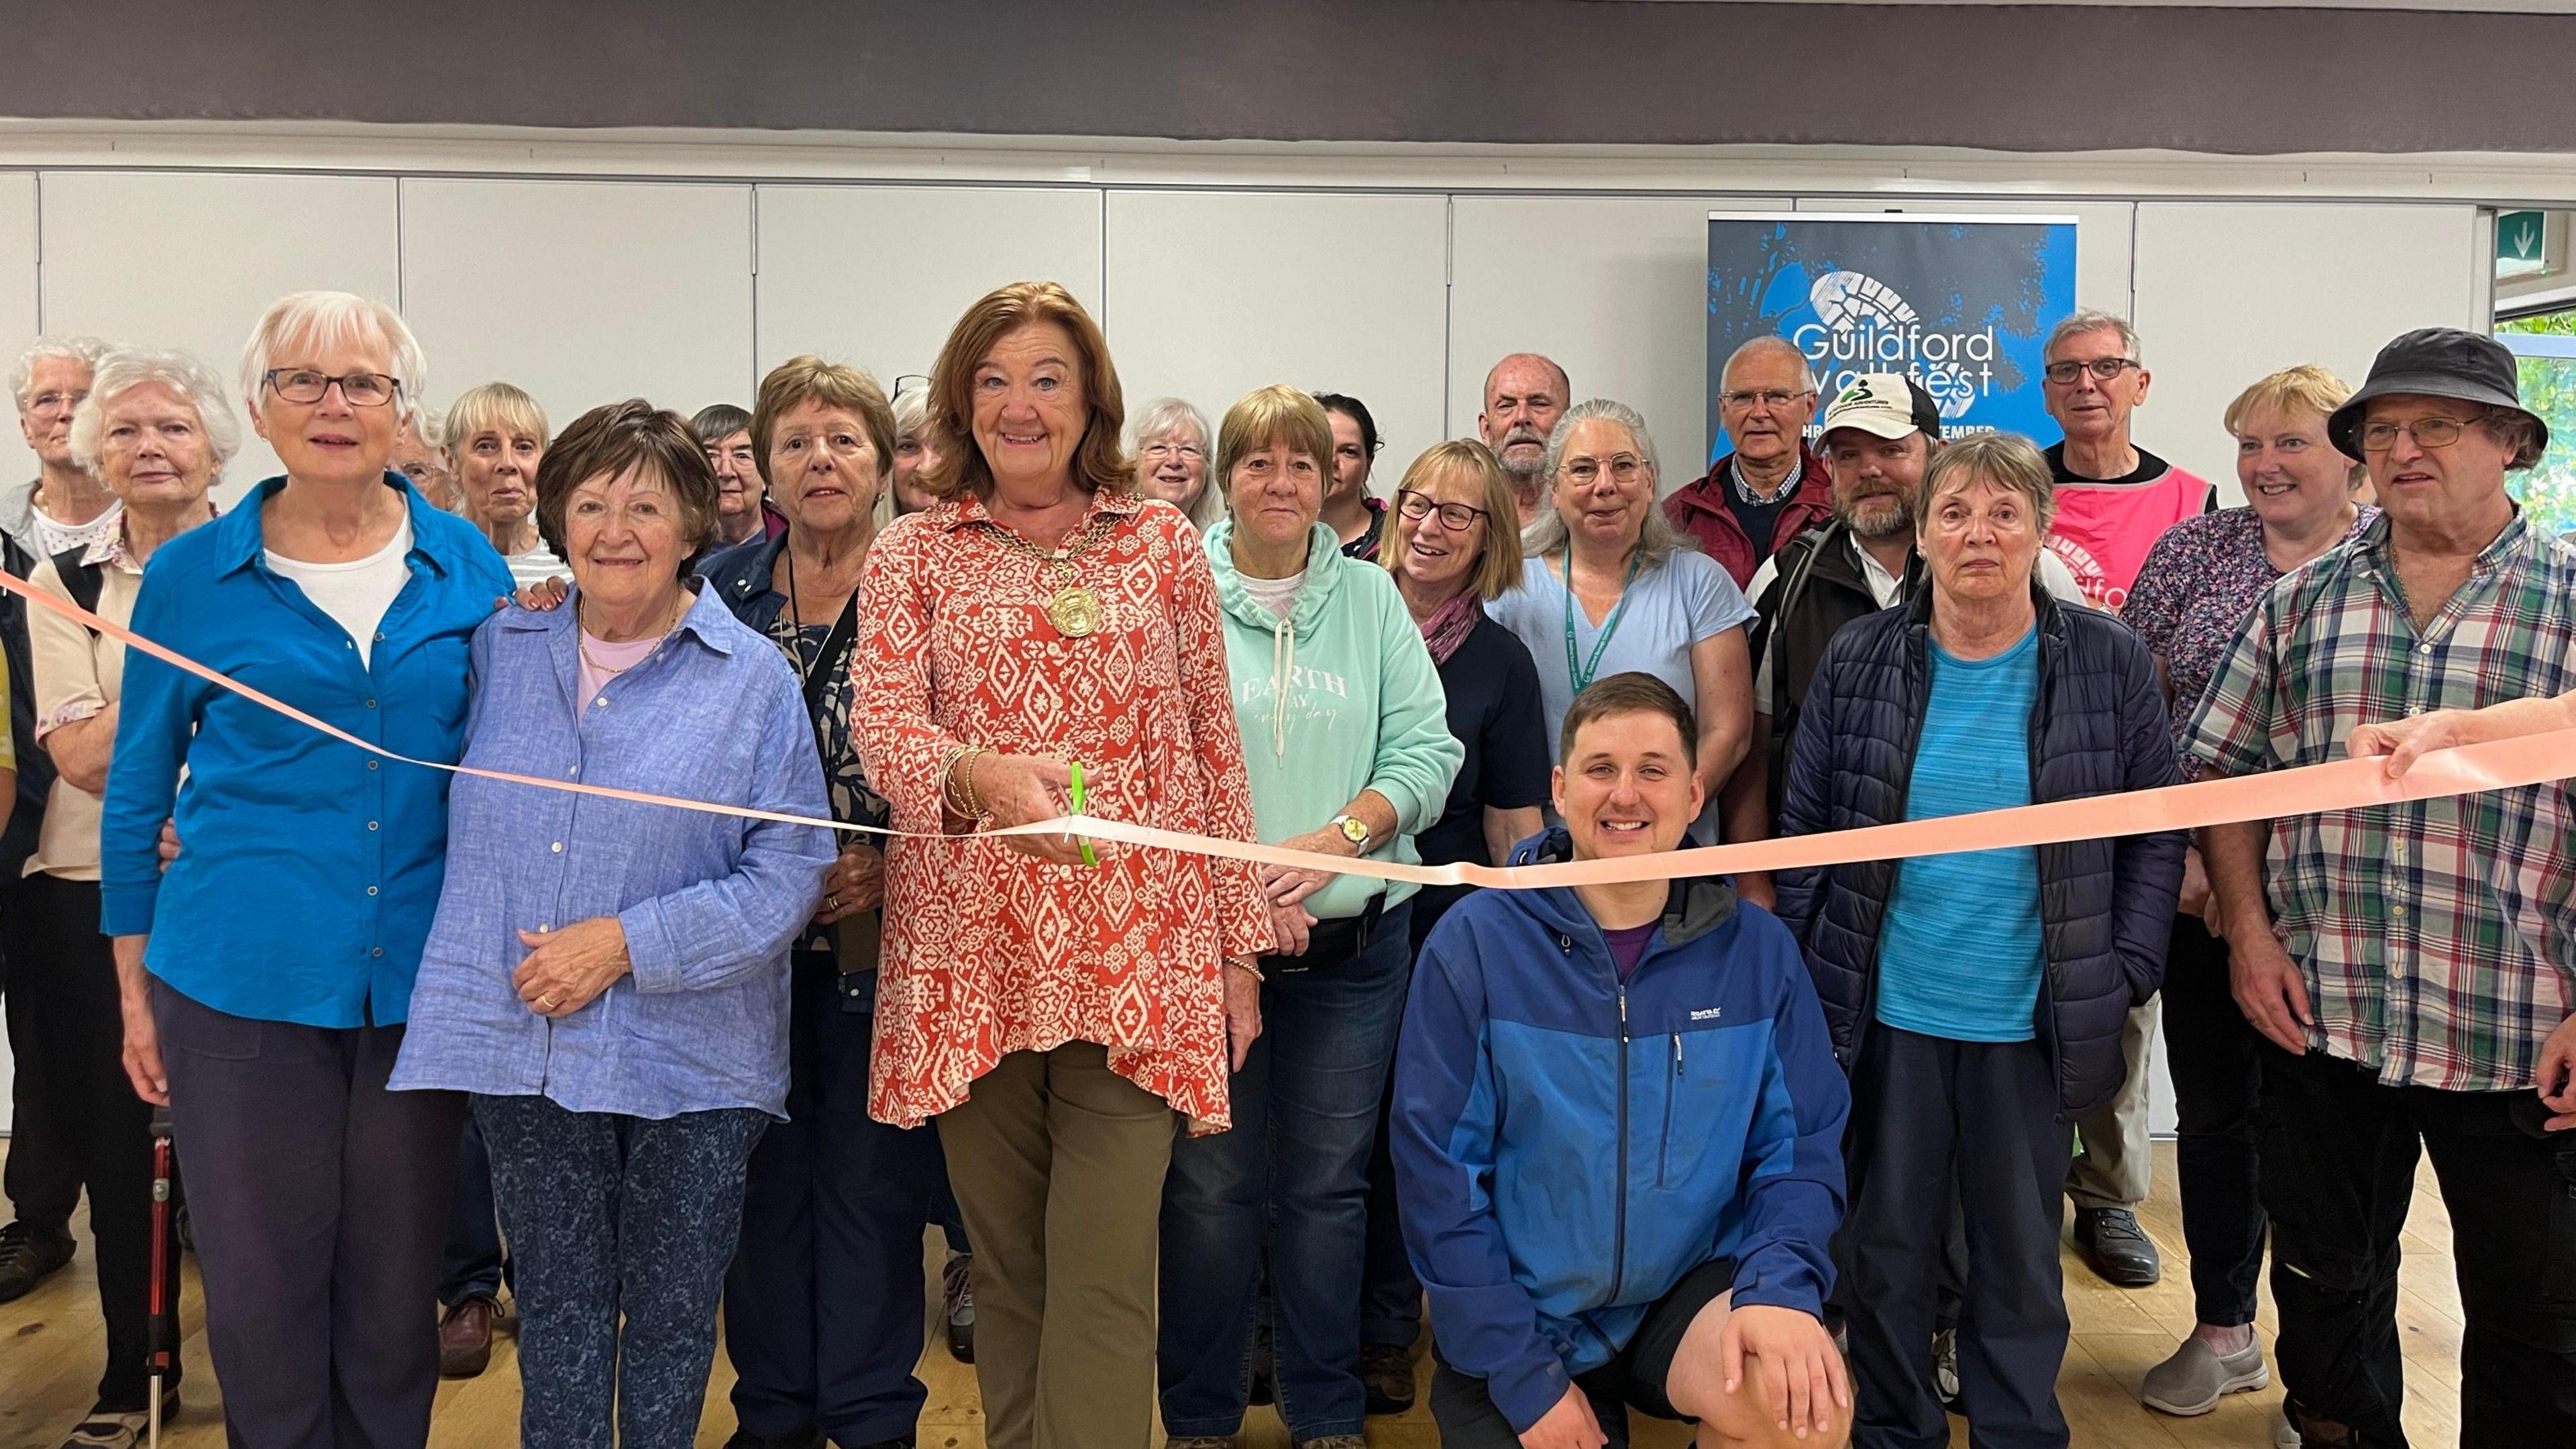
{"type": "Point", "coordinates": [1607, 586]}
{"type": "Point", "coordinates": [609, 980]}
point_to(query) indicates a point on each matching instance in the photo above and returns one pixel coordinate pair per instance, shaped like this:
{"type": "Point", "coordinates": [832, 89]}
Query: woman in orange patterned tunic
{"type": "Point", "coordinates": [1053, 1015]}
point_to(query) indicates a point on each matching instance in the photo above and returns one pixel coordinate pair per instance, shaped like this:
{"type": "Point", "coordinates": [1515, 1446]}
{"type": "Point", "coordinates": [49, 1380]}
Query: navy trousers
{"type": "Point", "coordinates": [824, 1303]}
{"type": "Point", "coordinates": [319, 1199]}
{"type": "Point", "coordinates": [1936, 1123]}
{"type": "Point", "coordinates": [1291, 1177]}
{"type": "Point", "coordinates": [472, 1264]}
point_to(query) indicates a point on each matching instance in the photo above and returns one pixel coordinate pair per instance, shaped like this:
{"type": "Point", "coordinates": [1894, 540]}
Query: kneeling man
{"type": "Point", "coordinates": [1617, 1131]}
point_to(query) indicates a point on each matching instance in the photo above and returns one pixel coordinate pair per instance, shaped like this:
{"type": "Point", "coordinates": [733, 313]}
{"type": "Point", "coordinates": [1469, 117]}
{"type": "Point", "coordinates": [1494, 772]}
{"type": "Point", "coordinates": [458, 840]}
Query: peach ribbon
{"type": "Point", "coordinates": [2313, 789]}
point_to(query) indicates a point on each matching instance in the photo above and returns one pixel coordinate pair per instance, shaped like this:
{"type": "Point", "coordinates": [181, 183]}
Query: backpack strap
{"type": "Point", "coordinates": [81, 580]}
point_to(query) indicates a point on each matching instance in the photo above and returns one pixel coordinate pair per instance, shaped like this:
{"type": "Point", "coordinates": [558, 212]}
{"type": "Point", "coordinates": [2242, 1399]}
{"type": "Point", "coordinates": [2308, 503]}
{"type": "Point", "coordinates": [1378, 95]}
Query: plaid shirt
{"type": "Point", "coordinates": [2438, 937]}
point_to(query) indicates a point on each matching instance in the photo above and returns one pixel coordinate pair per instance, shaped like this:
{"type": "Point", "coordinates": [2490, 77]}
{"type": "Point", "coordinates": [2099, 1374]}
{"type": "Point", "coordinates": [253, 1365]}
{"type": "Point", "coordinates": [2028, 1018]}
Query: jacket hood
{"type": "Point", "coordinates": [1324, 568]}
{"type": "Point", "coordinates": [1696, 905]}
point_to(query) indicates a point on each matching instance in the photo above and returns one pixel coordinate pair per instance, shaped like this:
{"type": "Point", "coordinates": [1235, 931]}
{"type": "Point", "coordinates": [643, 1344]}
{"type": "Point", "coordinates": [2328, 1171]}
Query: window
{"type": "Point", "coordinates": [2545, 345]}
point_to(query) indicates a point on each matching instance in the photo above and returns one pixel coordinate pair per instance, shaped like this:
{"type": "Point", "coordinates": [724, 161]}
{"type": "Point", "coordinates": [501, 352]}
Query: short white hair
{"type": "Point", "coordinates": [22, 375]}
{"type": "Point", "coordinates": [1769, 342]}
{"type": "Point", "coordinates": [331, 319]}
{"type": "Point", "coordinates": [1161, 416]}
{"type": "Point", "coordinates": [2090, 320]}
{"type": "Point", "coordinates": [186, 376]}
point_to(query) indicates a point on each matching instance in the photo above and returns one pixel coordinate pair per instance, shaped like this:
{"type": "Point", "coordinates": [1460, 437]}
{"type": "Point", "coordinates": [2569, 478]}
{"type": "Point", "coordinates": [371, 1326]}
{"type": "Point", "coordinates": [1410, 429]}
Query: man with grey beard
{"type": "Point", "coordinates": [1878, 437]}
{"type": "Point", "coordinates": [1524, 396]}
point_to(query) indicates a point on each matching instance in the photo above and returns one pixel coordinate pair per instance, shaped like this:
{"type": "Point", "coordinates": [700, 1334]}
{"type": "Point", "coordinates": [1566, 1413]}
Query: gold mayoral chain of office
{"type": "Point", "coordinates": [1074, 609]}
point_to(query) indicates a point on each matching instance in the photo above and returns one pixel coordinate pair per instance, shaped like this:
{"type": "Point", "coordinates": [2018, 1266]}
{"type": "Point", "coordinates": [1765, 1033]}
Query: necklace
{"type": "Point", "coordinates": [1581, 674]}
{"type": "Point", "coordinates": [581, 639]}
{"type": "Point", "coordinates": [1075, 609]}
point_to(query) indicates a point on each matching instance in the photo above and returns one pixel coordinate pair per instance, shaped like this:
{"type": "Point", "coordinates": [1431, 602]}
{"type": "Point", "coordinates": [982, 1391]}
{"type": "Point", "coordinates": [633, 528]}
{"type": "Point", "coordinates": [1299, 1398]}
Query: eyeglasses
{"type": "Point", "coordinates": [1186, 452]}
{"type": "Point", "coordinates": [2103, 369]}
{"type": "Point", "coordinates": [1624, 470]}
{"type": "Point", "coordinates": [1772, 398]}
{"type": "Point", "coordinates": [2432, 432]}
{"type": "Point", "coordinates": [357, 389]}
{"type": "Point", "coordinates": [1456, 517]}
{"type": "Point", "coordinates": [904, 380]}
{"type": "Point", "coordinates": [46, 402]}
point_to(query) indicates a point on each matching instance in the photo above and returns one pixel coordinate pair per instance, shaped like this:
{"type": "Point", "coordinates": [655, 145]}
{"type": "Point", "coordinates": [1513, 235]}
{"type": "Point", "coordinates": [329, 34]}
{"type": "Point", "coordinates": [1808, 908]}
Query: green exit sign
{"type": "Point", "coordinates": [2522, 243]}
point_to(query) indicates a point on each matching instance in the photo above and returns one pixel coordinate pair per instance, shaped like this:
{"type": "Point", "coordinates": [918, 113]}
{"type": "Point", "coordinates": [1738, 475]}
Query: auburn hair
{"type": "Point", "coordinates": [1098, 461]}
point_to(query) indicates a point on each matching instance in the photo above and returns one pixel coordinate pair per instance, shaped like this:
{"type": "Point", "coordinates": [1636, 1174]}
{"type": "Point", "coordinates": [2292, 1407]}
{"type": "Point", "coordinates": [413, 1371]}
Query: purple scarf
{"type": "Point", "coordinates": [1450, 625]}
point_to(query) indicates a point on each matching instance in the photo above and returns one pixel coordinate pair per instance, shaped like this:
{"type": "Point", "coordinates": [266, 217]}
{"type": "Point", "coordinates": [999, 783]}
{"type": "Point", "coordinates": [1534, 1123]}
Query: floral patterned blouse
{"type": "Point", "coordinates": [2192, 594]}
{"type": "Point", "coordinates": [987, 951]}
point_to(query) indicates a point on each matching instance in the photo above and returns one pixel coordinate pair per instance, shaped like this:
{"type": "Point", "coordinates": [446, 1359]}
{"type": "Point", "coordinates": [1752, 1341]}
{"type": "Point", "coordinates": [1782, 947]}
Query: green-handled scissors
{"type": "Point", "coordinates": [1087, 857]}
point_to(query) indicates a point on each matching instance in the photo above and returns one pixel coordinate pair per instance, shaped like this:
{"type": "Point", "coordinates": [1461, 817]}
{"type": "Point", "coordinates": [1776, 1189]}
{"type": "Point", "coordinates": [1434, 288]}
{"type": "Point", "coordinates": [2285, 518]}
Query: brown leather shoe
{"type": "Point", "coordinates": [465, 1337]}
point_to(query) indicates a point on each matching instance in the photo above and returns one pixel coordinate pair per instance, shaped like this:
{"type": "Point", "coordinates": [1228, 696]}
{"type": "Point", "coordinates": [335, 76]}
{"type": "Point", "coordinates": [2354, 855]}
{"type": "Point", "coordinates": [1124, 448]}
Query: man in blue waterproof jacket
{"type": "Point", "coordinates": [1617, 1131]}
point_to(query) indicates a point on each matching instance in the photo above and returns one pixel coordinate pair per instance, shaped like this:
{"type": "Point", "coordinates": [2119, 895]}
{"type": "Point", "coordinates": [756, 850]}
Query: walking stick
{"type": "Point", "coordinates": [163, 1339]}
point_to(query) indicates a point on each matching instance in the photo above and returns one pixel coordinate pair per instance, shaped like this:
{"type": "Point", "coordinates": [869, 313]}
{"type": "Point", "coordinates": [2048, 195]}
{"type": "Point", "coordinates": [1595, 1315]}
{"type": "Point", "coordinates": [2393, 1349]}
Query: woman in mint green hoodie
{"type": "Point", "coordinates": [1346, 740]}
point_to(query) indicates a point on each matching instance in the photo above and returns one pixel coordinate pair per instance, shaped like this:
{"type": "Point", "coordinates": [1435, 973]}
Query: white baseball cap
{"type": "Point", "coordinates": [1883, 404]}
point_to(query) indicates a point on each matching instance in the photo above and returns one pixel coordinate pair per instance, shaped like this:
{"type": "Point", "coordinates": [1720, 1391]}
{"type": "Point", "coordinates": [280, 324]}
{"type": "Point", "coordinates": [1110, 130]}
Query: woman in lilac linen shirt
{"type": "Point", "coordinates": [609, 980]}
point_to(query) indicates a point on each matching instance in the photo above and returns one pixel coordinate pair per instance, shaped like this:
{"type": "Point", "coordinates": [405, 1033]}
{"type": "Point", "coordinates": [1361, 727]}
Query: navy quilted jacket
{"type": "Point", "coordinates": [2106, 905]}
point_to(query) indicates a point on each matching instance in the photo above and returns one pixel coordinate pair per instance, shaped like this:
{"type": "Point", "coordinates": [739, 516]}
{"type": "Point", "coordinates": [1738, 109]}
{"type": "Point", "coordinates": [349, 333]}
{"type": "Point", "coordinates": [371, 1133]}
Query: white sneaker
{"type": "Point", "coordinates": [2198, 1376]}
{"type": "Point", "coordinates": [2285, 1431]}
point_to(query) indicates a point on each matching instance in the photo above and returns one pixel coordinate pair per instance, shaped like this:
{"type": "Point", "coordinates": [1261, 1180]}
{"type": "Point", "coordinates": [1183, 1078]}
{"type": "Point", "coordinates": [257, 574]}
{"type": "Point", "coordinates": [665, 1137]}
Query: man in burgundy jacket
{"type": "Point", "coordinates": [1772, 487]}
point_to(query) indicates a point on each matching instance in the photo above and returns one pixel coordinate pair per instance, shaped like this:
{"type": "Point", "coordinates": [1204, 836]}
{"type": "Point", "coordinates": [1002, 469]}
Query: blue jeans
{"type": "Point", "coordinates": [1296, 1162]}
{"type": "Point", "coordinates": [621, 1227]}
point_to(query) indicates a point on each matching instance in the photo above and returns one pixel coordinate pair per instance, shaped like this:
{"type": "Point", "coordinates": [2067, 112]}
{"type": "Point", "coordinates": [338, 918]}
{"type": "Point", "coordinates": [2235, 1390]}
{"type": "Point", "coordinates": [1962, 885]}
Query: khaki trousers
{"type": "Point", "coordinates": [1058, 1166]}
{"type": "Point", "coordinates": [2116, 1163]}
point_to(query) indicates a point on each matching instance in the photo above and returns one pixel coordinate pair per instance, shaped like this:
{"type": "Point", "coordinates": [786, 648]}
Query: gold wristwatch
{"type": "Point", "coordinates": [1353, 829]}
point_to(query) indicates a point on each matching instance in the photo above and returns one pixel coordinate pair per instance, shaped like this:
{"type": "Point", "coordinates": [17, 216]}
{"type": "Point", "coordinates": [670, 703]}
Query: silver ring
{"type": "Point", "coordinates": [831, 903]}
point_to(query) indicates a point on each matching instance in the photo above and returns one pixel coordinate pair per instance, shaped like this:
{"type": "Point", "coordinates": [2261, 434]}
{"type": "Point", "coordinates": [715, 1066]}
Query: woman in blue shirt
{"type": "Point", "coordinates": [1976, 997]}
{"type": "Point", "coordinates": [1607, 586]}
{"type": "Point", "coordinates": [265, 979]}
{"type": "Point", "coordinates": [608, 979]}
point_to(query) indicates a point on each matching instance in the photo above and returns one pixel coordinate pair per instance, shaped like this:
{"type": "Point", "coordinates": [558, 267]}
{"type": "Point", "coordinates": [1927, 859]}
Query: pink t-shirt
{"type": "Point", "coordinates": [602, 661]}
{"type": "Point", "coordinates": [2104, 527]}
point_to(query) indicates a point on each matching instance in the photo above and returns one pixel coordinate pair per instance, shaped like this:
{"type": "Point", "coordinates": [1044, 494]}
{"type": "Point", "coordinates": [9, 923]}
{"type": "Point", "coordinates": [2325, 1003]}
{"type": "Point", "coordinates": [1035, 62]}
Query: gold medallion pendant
{"type": "Point", "coordinates": [1075, 611]}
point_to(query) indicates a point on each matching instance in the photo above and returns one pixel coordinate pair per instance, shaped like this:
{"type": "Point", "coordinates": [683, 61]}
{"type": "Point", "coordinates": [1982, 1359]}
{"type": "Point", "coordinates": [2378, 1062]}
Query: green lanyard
{"type": "Point", "coordinates": [1581, 674]}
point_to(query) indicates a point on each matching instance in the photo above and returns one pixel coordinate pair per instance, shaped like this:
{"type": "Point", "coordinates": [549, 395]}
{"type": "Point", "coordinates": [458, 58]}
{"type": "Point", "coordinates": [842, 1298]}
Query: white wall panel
{"type": "Point", "coordinates": [17, 329]}
{"type": "Point", "coordinates": [1213, 294]}
{"type": "Point", "coordinates": [582, 292]}
{"type": "Point", "coordinates": [191, 260]}
{"type": "Point", "coordinates": [876, 275]}
{"type": "Point", "coordinates": [2230, 291]}
{"type": "Point", "coordinates": [1615, 289]}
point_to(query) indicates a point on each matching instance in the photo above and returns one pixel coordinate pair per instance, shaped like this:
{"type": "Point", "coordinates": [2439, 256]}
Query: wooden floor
{"type": "Point", "coordinates": [49, 1362]}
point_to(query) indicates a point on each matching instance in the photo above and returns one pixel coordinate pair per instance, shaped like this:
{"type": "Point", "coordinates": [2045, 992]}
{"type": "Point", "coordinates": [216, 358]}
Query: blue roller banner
{"type": "Point", "coordinates": [1960, 302]}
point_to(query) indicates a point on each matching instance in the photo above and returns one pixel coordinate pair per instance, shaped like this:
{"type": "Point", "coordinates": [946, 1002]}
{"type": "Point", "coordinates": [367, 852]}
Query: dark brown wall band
{"type": "Point", "coordinates": [1596, 72]}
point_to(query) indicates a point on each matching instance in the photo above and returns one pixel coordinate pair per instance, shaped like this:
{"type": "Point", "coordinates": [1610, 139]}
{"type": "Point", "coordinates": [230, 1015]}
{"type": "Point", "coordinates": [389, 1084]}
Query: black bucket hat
{"type": "Point", "coordinates": [2435, 362]}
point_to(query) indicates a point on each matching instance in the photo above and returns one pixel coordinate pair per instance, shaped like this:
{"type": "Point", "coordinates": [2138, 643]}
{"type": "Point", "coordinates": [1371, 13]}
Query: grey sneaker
{"type": "Point", "coordinates": [2285, 1431]}
{"type": "Point", "coordinates": [2197, 1377]}
{"type": "Point", "coordinates": [1945, 1367]}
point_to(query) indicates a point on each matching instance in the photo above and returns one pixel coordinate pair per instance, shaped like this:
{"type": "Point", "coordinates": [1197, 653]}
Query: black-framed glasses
{"type": "Point", "coordinates": [907, 379]}
{"type": "Point", "coordinates": [2433, 432]}
{"type": "Point", "coordinates": [2103, 369]}
{"type": "Point", "coordinates": [1456, 517]}
{"type": "Point", "coordinates": [358, 389]}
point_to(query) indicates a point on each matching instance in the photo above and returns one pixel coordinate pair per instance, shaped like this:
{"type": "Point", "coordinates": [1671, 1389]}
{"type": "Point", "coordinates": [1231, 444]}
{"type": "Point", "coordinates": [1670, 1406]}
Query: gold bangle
{"type": "Point", "coordinates": [970, 801]}
{"type": "Point", "coordinates": [956, 795]}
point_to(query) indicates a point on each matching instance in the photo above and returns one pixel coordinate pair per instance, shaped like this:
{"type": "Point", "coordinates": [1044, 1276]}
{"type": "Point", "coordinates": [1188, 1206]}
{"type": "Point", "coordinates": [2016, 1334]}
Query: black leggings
{"type": "Point", "coordinates": [2217, 1062]}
